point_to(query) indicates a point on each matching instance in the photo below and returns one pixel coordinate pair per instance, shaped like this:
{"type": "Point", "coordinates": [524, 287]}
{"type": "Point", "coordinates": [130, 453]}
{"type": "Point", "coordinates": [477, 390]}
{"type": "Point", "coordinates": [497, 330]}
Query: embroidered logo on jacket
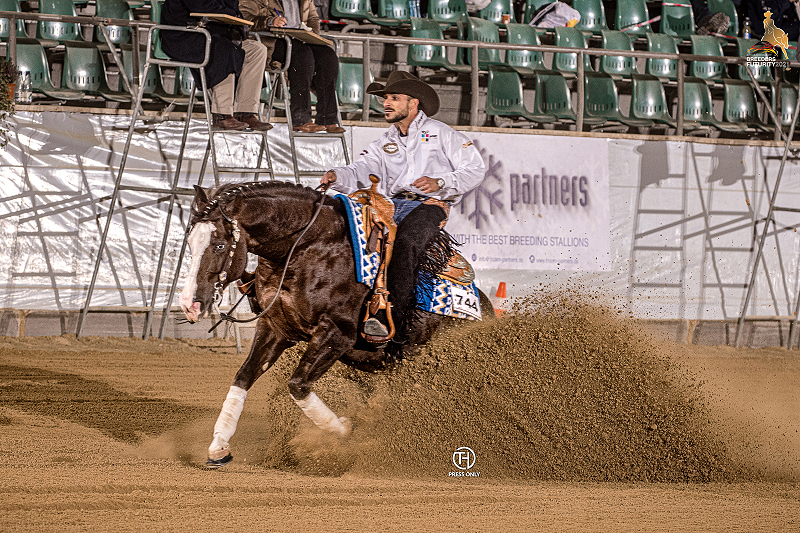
{"type": "Point", "coordinates": [390, 148]}
{"type": "Point", "coordinates": [426, 136]}
{"type": "Point", "coordinates": [466, 144]}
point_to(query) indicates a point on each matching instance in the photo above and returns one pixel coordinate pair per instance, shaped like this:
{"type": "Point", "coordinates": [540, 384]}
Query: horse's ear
{"type": "Point", "coordinates": [200, 195]}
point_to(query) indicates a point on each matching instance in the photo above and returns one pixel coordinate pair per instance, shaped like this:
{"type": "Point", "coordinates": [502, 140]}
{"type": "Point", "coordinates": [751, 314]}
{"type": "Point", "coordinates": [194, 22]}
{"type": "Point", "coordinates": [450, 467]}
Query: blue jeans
{"type": "Point", "coordinates": [402, 208]}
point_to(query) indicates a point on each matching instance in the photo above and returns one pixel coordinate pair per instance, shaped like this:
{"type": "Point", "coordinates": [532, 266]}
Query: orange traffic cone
{"type": "Point", "coordinates": [499, 300]}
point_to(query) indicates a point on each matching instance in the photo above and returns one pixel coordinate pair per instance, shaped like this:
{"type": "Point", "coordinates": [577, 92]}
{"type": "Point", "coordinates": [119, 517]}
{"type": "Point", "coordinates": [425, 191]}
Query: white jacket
{"type": "Point", "coordinates": [431, 149]}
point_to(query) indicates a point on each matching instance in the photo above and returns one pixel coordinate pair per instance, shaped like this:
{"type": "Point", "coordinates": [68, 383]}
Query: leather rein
{"type": "Point", "coordinates": [223, 275]}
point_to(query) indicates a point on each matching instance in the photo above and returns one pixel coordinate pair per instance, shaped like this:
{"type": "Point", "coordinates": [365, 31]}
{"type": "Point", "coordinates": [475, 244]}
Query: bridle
{"type": "Point", "coordinates": [223, 275]}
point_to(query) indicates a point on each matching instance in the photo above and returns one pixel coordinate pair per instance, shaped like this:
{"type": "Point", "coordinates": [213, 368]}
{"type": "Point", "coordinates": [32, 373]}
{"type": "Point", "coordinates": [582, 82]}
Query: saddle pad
{"type": "Point", "coordinates": [443, 297]}
{"type": "Point", "coordinates": [366, 263]}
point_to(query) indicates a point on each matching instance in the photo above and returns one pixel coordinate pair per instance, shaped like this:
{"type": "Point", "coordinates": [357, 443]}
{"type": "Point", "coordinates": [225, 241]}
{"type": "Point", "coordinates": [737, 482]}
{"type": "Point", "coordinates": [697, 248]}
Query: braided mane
{"type": "Point", "coordinates": [256, 189]}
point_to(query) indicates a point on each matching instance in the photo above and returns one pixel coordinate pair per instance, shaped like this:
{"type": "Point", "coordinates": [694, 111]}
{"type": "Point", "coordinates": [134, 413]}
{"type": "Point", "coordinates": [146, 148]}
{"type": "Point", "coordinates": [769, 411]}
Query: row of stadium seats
{"type": "Point", "coordinates": [677, 19]}
{"type": "Point", "coordinates": [649, 106]}
{"type": "Point", "coordinates": [528, 62]}
{"type": "Point", "coordinates": [84, 75]}
{"type": "Point", "coordinates": [52, 32]}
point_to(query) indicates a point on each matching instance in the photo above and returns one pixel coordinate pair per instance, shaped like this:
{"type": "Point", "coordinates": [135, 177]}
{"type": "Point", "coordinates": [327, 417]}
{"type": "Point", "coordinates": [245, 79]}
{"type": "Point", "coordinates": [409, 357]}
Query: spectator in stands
{"type": "Point", "coordinates": [311, 64]}
{"type": "Point", "coordinates": [235, 67]}
{"type": "Point", "coordinates": [424, 166]}
{"type": "Point", "coordinates": [784, 16]}
{"type": "Point", "coordinates": [707, 22]}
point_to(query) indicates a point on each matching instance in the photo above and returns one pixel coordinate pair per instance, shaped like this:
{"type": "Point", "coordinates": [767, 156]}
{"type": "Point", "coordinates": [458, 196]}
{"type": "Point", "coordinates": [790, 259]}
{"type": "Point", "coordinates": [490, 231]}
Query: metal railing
{"type": "Point", "coordinates": [475, 71]}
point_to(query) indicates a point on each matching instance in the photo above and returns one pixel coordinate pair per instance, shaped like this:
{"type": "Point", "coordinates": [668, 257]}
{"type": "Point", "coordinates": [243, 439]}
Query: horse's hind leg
{"type": "Point", "coordinates": [324, 349]}
{"type": "Point", "coordinates": [266, 349]}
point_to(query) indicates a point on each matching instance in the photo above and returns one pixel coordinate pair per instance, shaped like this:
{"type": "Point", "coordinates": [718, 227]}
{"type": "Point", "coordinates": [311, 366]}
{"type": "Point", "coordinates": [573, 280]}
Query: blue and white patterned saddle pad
{"type": "Point", "coordinates": [443, 297]}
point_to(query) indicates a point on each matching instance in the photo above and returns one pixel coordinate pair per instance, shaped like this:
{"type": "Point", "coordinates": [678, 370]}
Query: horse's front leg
{"type": "Point", "coordinates": [266, 349]}
{"type": "Point", "coordinates": [326, 346]}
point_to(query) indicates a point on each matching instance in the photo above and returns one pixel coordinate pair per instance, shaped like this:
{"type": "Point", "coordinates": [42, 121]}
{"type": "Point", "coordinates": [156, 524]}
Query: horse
{"type": "Point", "coordinates": [305, 283]}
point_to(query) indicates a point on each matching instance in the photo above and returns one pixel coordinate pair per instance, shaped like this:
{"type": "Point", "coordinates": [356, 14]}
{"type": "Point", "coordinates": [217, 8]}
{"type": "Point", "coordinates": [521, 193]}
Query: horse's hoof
{"type": "Point", "coordinates": [219, 458]}
{"type": "Point", "coordinates": [213, 464]}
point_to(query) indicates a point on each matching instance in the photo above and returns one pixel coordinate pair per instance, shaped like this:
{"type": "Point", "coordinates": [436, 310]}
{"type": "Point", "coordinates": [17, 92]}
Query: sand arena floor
{"type": "Point", "coordinates": [588, 428]}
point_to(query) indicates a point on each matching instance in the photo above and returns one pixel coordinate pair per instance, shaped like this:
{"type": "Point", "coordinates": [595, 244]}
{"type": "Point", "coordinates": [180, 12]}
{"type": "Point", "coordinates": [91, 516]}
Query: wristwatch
{"type": "Point", "coordinates": [440, 183]}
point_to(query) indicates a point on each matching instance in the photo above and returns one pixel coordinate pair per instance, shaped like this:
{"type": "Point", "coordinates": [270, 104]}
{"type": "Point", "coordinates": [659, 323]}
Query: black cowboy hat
{"type": "Point", "coordinates": [400, 82]}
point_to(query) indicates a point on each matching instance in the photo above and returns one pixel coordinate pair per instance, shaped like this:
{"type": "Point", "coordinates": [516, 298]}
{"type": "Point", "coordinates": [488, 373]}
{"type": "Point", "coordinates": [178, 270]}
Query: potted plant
{"type": "Point", "coordinates": [8, 79]}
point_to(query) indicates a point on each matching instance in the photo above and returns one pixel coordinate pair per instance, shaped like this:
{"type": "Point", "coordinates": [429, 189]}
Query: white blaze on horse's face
{"type": "Point", "coordinates": [199, 239]}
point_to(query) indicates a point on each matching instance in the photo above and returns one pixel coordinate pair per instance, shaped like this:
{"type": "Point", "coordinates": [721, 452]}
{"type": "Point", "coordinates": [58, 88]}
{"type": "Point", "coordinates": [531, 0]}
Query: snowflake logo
{"type": "Point", "coordinates": [476, 199]}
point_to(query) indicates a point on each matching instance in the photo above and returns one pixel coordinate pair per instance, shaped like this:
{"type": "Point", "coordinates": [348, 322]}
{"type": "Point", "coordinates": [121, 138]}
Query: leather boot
{"type": "Point", "coordinates": [227, 122]}
{"type": "Point", "coordinates": [252, 120]}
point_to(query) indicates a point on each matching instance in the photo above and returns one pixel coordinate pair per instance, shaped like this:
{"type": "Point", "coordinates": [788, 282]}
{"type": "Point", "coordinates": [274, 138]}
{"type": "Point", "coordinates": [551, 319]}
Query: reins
{"type": "Point", "coordinates": [228, 317]}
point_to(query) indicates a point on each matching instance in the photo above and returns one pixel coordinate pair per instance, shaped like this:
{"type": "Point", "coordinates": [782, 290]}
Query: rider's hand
{"type": "Point", "coordinates": [426, 184]}
{"type": "Point", "coordinates": [328, 178]}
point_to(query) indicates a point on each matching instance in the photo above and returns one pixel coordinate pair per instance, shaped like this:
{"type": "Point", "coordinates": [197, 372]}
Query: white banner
{"type": "Point", "coordinates": [543, 204]}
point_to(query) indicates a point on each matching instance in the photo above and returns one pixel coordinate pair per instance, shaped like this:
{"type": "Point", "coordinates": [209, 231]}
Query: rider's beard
{"type": "Point", "coordinates": [400, 114]}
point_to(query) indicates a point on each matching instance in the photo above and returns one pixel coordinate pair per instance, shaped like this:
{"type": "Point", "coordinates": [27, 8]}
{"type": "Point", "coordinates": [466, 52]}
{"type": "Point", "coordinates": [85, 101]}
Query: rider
{"type": "Point", "coordinates": [425, 166]}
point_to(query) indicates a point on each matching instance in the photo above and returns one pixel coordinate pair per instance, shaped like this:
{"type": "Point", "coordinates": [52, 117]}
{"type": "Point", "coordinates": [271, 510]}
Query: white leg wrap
{"type": "Point", "coordinates": [227, 420]}
{"type": "Point", "coordinates": [322, 416]}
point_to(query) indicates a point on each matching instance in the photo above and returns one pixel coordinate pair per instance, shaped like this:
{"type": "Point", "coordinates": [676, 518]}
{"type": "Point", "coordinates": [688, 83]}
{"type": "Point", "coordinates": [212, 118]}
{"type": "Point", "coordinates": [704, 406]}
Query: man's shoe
{"type": "Point", "coordinates": [715, 23]}
{"type": "Point", "coordinates": [334, 128]}
{"type": "Point", "coordinates": [252, 120]}
{"type": "Point", "coordinates": [309, 127]}
{"type": "Point", "coordinates": [227, 122]}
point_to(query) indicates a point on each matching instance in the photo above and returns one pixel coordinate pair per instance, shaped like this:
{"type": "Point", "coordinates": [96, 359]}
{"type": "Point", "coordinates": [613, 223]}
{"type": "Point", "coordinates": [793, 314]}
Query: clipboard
{"type": "Point", "coordinates": [225, 19]}
{"type": "Point", "coordinates": [301, 35]}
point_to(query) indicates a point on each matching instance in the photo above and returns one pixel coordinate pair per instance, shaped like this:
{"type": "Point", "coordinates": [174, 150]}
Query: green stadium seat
{"type": "Point", "coordinates": [662, 68]}
{"type": "Point", "coordinates": [698, 109]}
{"type": "Point", "coordinates": [707, 45]}
{"type": "Point", "coordinates": [552, 96]}
{"type": "Point", "coordinates": [447, 12]}
{"type": "Point", "coordinates": [525, 62]}
{"type": "Point", "coordinates": [11, 5]}
{"type": "Point", "coordinates": [601, 102]}
{"type": "Point", "coordinates": [350, 86]}
{"type": "Point", "coordinates": [648, 100]}
{"type": "Point", "coordinates": [428, 55]}
{"type": "Point", "coordinates": [113, 9]}
{"type": "Point", "coordinates": [360, 10]}
{"type": "Point", "coordinates": [85, 71]}
{"type": "Point", "coordinates": [496, 9]}
{"type": "Point", "coordinates": [484, 31]}
{"type": "Point", "coordinates": [153, 88]}
{"type": "Point", "coordinates": [727, 7]}
{"type": "Point", "coordinates": [31, 58]}
{"type": "Point", "coordinates": [740, 106]}
{"type": "Point", "coordinates": [593, 15]}
{"type": "Point", "coordinates": [677, 20]}
{"type": "Point", "coordinates": [532, 6]}
{"type": "Point", "coordinates": [505, 97]}
{"type": "Point", "coordinates": [788, 104]}
{"type": "Point", "coordinates": [630, 13]}
{"type": "Point", "coordinates": [622, 66]}
{"type": "Point", "coordinates": [393, 11]}
{"type": "Point", "coordinates": [566, 61]}
{"type": "Point", "coordinates": [54, 30]}
{"type": "Point", "coordinates": [762, 73]}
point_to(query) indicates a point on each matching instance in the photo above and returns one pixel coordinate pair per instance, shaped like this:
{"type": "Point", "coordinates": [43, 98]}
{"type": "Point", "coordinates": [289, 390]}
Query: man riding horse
{"type": "Point", "coordinates": [424, 166]}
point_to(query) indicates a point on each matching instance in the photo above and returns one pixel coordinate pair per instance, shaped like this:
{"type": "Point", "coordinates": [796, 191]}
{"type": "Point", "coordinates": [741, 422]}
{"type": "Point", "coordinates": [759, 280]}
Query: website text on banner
{"type": "Point", "coordinates": [538, 208]}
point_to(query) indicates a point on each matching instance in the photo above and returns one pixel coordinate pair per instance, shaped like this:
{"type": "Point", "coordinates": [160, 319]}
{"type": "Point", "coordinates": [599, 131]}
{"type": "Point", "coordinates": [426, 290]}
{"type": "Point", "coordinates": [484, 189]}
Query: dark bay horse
{"type": "Point", "coordinates": [319, 300]}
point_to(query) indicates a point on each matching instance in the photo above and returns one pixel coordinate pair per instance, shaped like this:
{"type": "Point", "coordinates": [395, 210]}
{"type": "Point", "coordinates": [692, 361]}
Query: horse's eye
{"type": "Point", "coordinates": [219, 248]}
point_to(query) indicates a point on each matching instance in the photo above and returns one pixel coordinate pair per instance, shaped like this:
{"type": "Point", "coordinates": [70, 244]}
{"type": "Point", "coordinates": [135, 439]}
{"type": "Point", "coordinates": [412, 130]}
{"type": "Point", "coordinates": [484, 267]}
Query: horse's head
{"type": "Point", "coordinates": [218, 250]}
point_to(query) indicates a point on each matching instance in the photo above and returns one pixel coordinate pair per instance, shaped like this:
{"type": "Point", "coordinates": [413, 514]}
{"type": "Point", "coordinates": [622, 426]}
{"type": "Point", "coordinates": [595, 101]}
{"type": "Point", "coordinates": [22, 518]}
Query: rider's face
{"type": "Point", "coordinates": [396, 107]}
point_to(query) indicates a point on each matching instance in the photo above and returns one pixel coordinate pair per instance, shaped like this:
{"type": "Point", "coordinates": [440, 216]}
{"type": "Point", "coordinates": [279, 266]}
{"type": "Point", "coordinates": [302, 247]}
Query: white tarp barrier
{"type": "Point", "coordinates": [543, 204]}
{"type": "Point", "coordinates": [679, 222]}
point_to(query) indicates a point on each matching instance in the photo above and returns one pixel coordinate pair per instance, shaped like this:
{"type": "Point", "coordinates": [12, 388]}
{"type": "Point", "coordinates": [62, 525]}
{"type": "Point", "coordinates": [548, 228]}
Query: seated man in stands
{"type": "Point", "coordinates": [424, 166]}
{"type": "Point", "coordinates": [311, 64]}
{"type": "Point", "coordinates": [235, 67]}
